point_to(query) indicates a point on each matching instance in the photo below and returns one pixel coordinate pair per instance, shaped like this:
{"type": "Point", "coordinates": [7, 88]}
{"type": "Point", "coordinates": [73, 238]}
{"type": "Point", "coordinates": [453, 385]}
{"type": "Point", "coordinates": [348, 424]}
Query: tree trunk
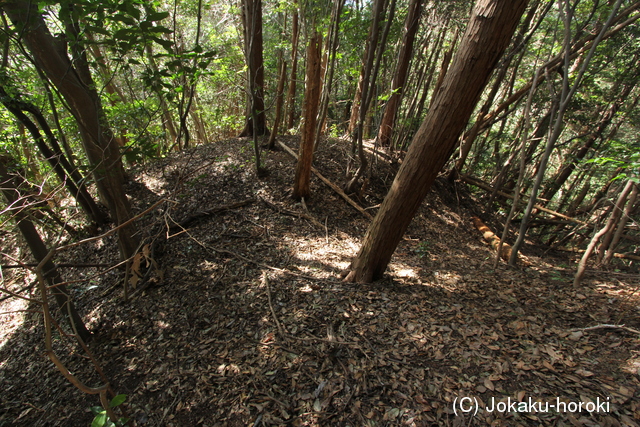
{"type": "Point", "coordinates": [73, 181]}
{"type": "Point", "coordinates": [568, 90]}
{"type": "Point", "coordinates": [332, 47]}
{"type": "Point", "coordinates": [488, 33]}
{"type": "Point", "coordinates": [99, 144]}
{"type": "Point", "coordinates": [252, 19]}
{"type": "Point", "coordinates": [399, 80]}
{"type": "Point", "coordinates": [445, 66]}
{"type": "Point", "coordinates": [618, 23]}
{"type": "Point", "coordinates": [629, 191]}
{"type": "Point", "coordinates": [291, 92]}
{"type": "Point", "coordinates": [39, 250]}
{"type": "Point", "coordinates": [301, 186]}
{"type": "Point", "coordinates": [628, 209]}
{"type": "Point", "coordinates": [279, 101]}
{"type": "Point", "coordinates": [613, 220]}
{"type": "Point", "coordinates": [574, 159]}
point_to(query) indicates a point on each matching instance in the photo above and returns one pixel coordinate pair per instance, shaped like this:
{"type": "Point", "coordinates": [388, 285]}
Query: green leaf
{"type": "Point", "coordinates": [167, 44]}
{"type": "Point", "coordinates": [160, 29]}
{"type": "Point", "coordinates": [118, 400]}
{"type": "Point", "coordinates": [100, 420]}
{"type": "Point", "coordinates": [95, 410]}
{"type": "Point", "coordinates": [122, 34]}
{"type": "Point", "coordinates": [125, 19]}
{"type": "Point", "coordinates": [157, 16]}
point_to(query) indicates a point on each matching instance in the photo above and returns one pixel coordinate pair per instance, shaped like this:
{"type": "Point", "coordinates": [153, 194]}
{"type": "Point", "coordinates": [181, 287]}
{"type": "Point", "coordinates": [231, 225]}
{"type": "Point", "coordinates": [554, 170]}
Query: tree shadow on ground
{"type": "Point", "coordinates": [251, 324]}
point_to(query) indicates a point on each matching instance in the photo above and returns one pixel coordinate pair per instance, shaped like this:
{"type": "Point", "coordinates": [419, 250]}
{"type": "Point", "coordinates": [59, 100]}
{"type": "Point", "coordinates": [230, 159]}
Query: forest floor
{"type": "Point", "coordinates": [250, 325]}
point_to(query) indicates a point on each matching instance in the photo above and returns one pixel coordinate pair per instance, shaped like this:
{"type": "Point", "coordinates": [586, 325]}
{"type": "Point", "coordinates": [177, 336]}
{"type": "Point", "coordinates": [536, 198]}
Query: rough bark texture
{"type": "Point", "coordinates": [291, 92]}
{"type": "Point", "coordinates": [301, 186]}
{"type": "Point", "coordinates": [489, 30]}
{"type": "Point", "coordinates": [252, 14]}
{"type": "Point", "coordinates": [400, 78]}
{"type": "Point", "coordinates": [279, 101]}
{"type": "Point", "coordinates": [83, 100]}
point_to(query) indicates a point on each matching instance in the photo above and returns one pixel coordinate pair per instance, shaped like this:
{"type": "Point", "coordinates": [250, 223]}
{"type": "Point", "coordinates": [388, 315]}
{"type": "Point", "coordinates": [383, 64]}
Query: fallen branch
{"type": "Point", "coordinates": [485, 186]}
{"type": "Point", "coordinates": [63, 265]}
{"type": "Point", "coordinates": [283, 334]}
{"type": "Point", "coordinates": [492, 239]}
{"type": "Point", "coordinates": [293, 213]}
{"type": "Point", "coordinates": [203, 214]}
{"type": "Point", "coordinates": [627, 256]}
{"type": "Point", "coordinates": [330, 184]}
{"type": "Point", "coordinates": [607, 326]}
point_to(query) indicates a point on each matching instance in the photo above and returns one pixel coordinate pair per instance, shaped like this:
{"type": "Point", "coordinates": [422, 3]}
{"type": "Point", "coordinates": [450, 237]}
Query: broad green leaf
{"type": "Point", "coordinates": [157, 16]}
{"type": "Point", "coordinates": [118, 400]}
{"type": "Point", "coordinates": [100, 420]}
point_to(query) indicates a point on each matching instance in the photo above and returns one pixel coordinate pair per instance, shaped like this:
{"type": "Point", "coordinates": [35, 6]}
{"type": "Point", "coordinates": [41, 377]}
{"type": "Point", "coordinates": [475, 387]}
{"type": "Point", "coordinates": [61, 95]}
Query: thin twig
{"type": "Point", "coordinates": [283, 335]}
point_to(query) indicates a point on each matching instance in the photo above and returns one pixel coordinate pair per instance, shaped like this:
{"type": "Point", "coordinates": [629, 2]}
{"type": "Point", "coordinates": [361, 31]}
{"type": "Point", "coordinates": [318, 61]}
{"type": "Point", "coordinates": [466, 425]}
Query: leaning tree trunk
{"type": "Point", "coordinates": [84, 102]}
{"type": "Point", "coordinates": [68, 176]}
{"type": "Point", "coordinates": [488, 33]}
{"type": "Point", "coordinates": [628, 210]}
{"type": "Point", "coordinates": [611, 223]}
{"type": "Point", "coordinates": [10, 189]}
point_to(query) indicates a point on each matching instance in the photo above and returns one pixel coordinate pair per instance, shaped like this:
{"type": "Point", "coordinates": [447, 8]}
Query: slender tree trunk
{"type": "Point", "coordinates": [626, 215]}
{"type": "Point", "coordinates": [399, 80]}
{"type": "Point", "coordinates": [579, 47]}
{"type": "Point", "coordinates": [630, 190]}
{"type": "Point", "coordinates": [613, 220]}
{"type": "Point", "coordinates": [166, 114]}
{"type": "Point", "coordinates": [56, 158]}
{"type": "Point", "coordinates": [445, 66]}
{"type": "Point", "coordinates": [291, 92]}
{"type": "Point", "coordinates": [10, 189]}
{"type": "Point", "coordinates": [301, 187]}
{"type": "Point", "coordinates": [488, 33]}
{"type": "Point", "coordinates": [370, 71]}
{"type": "Point", "coordinates": [252, 14]}
{"type": "Point", "coordinates": [565, 97]}
{"type": "Point", "coordinates": [99, 144]}
{"type": "Point", "coordinates": [282, 78]}
{"type": "Point", "coordinates": [332, 47]}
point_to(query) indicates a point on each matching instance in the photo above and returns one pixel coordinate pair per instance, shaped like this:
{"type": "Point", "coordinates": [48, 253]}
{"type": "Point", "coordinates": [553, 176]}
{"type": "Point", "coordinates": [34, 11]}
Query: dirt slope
{"type": "Point", "coordinates": [251, 326]}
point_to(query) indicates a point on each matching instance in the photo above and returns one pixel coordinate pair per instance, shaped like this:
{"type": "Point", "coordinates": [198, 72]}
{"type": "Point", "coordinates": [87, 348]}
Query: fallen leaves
{"type": "Point", "coordinates": [225, 341]}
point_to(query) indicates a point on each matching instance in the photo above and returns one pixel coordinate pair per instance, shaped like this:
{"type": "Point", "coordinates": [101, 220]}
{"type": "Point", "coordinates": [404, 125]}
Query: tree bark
{"type": "Point", "coordinates": [39, 250]}
{"type": "Point", "coordinates": [252, 19]}
{"type": "Point", "coordinates": [613, 220]}
{"type": "Point", "coordinates": [488, 33]}
{"type": "Point", "coordinates": [291, 92]}
{"type": "Point", "coordinates": [66, 173]}
{"type": "Point", "coordinates": [83, 100]}
{"type": "Point", "coordinates": [282, 78]}
{"type": "Point", "coordinates": [301, 187]}
{"type": "Point", "coordinates": [399, 80]}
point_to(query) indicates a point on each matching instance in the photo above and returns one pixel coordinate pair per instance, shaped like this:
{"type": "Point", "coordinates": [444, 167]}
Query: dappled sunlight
{"type": "Point", "coordinates": [12, 317]}
{"type": "Point", "coordinates": [252, 300]}
{"type": "Point", "coordinates": [153, 183]}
